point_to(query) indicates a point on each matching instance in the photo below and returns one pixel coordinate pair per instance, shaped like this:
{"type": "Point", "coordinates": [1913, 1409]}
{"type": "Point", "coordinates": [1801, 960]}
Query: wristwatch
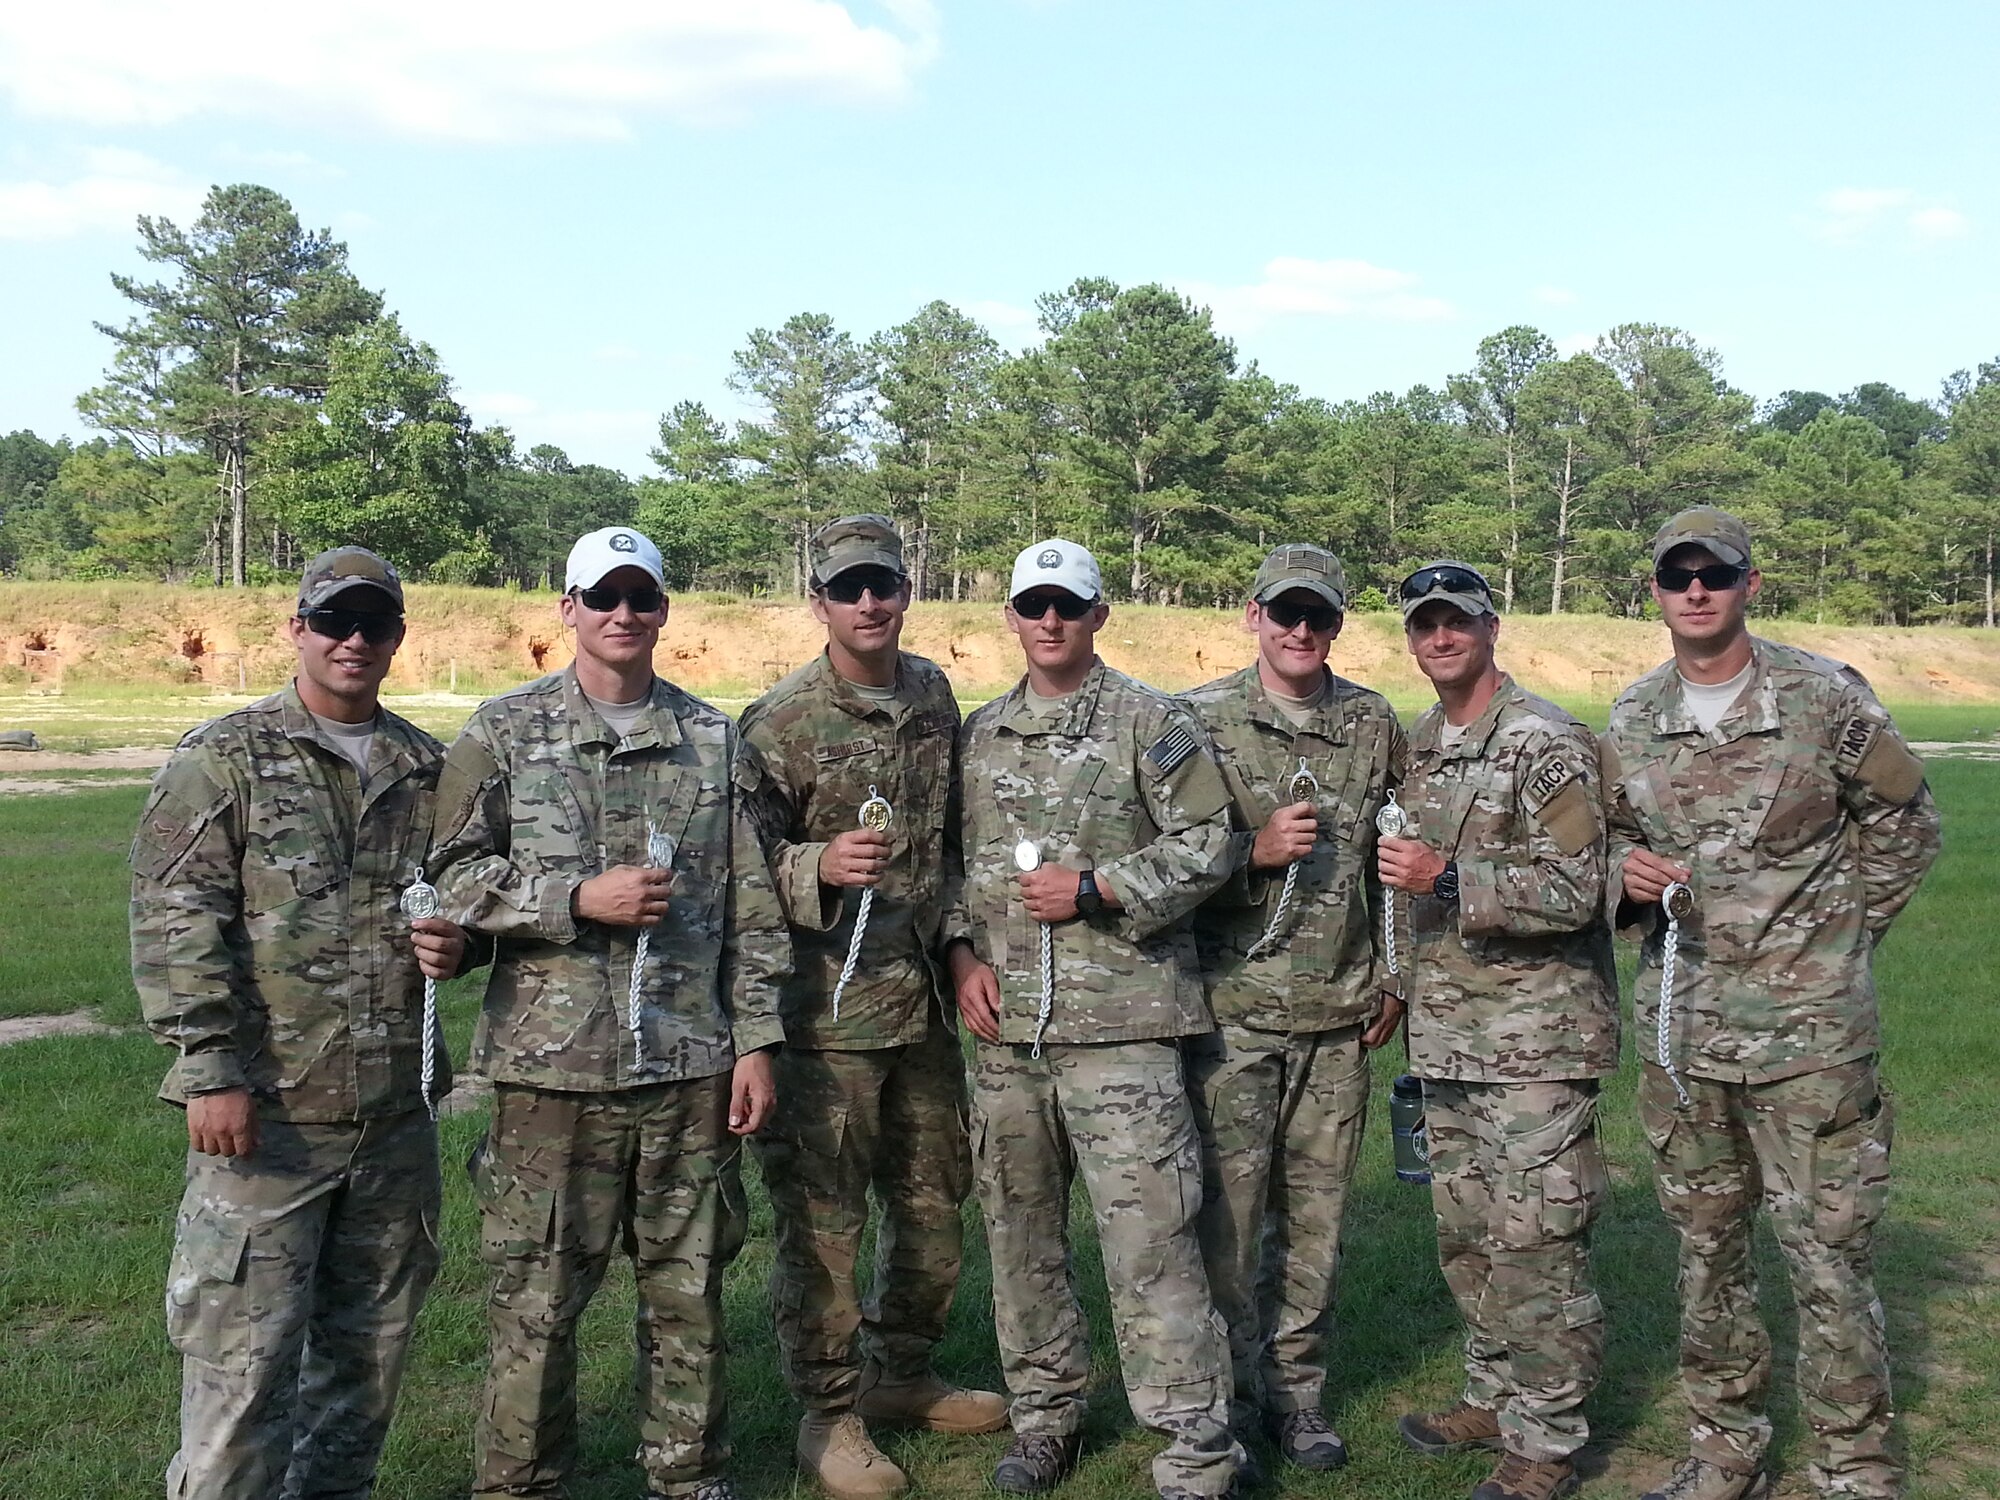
{"type": "Point", "coordinates": [1088, 900]}
{"type": "Point", "coordinates": [1445, 887]}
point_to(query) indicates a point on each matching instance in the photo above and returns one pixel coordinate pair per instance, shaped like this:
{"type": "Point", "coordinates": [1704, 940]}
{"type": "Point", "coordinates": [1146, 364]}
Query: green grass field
{"type": "Point", "coordinates": [90, 1170]}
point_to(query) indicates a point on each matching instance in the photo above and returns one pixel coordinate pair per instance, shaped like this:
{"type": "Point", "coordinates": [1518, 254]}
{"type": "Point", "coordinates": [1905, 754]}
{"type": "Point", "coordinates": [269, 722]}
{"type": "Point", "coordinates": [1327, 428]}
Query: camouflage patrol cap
{"type": "Point", "coordinates": [1301, 565]}
{"type": "Point", "coordinates": [336, 571]}
{"type": "Point", "coordinates": [1705, 526]}
{"type": "Point", "coordinates": [865, 541]}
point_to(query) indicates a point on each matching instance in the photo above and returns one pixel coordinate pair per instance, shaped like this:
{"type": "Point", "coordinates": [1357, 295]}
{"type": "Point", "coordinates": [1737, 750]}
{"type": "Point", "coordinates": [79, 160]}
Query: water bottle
{"type": "Point", "coordinates": [1406, 1124]}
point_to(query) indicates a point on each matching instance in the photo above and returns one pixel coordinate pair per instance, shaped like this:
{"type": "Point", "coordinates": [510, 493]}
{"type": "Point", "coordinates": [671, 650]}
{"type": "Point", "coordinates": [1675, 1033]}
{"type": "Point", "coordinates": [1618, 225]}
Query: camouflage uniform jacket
{"type": "Point", "coordinates": [825, 748]}
{"type": "Point", "coordinates": [1515, 984]}
{"type": "Point", "coordinates": [1320, 971]}
{"type": "Point", "coordinates": [268, 943]}
{"type": "Point", "coordinates": [1807, 824]}
{"type": "Point", "coordinates": [1117, 777]}
{"type": "Point", "coordinates": [537, 796]}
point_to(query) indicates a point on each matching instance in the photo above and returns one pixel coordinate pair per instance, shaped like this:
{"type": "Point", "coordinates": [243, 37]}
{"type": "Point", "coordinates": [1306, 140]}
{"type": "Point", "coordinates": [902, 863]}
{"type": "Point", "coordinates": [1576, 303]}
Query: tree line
{"type": "Point", "coordinates": [260, 405]}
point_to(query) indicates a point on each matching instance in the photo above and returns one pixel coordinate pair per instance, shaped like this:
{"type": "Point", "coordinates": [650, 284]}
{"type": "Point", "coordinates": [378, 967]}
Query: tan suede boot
{"type": "Point", "coordinates": [836, 1450]}
{"type": "Point", "coordinates": [929, 1401]}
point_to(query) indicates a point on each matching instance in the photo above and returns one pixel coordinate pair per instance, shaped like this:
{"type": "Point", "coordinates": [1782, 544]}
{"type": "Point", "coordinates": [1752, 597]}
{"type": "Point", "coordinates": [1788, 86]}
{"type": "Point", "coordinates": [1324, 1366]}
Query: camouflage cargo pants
{"type": "Point", "coordinates": [1516, 1179]}
{"type": "Point", "coordinates": [563, 1179]}
{"type": "Point", "coordinates": [1281, 1120]}
{"type": "Point", "coordinates": [297, 1274]}
{"type": "Point", "coordinates": [891, 1119]}
{"type": "Point", "coordinates": [1118, 1113]}
{"type": "Point", "coordinates": [1815, 1149]}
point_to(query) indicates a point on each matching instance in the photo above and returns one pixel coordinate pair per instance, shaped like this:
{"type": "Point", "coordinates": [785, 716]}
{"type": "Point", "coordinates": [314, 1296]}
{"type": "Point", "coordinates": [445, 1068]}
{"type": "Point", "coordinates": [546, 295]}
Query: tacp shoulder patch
{"type": "Point", "coordinates": [1550, 777]}
{"type": "Point", "coordinates": [1171, 749]}
{"type": "Point", "coordinates": [1857, 738]}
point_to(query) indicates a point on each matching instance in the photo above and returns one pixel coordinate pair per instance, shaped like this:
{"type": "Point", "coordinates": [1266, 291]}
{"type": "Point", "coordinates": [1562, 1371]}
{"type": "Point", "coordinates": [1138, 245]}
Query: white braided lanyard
{"type": "Point", "coordinates": [421, 899]}
{"type": "Point", "coordinates": [659, 856]}
{"type": "Point", "coordinates": [1028, 857]}
{"type": "Point", "coordinates": [1392, 821]}
{"type": "Point", "coordinates": [876, 814]}
{"type": "Point", "coordinates": [1304, 788]}
{"type": "Point", "coordinates": [1678, 901]}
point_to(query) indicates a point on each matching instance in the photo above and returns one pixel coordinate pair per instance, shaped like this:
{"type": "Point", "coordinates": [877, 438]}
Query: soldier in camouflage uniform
{"type": "Point", "coordinates": [1513, 1020]}
{"type": "Point", "coordinates": [871, 1073]}
{"type": "Point", "coordinates": [1094, 823]}
{"type": "Point", "coordinates": [1771, 784]}
{"type": "Point", "coordinates": [271, 953]}
{"type": "Point", "coordinates": [1280, 1088]}
{"type": "Point", "coordinates": [585, 819]}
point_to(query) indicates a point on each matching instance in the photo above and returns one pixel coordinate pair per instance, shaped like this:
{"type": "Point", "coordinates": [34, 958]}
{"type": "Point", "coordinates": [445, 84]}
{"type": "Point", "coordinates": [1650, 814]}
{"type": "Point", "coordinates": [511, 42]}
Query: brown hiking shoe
{"type": "Point", "coordinates": [929, 1401]}
{"type": "Point", "coordinates": [1698, 1479]}
{"type": "Point", "coordinates": [1519, 1478]}
{"type": "Point", "coordinates": [1451, 1431]}
{"type": "Point", "coordinates": [836, 1450]}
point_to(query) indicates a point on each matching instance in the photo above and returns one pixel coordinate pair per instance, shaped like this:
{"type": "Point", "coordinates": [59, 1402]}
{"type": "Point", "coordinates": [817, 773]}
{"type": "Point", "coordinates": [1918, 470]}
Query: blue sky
{"type": "Point", "coordinates": [584, 207]}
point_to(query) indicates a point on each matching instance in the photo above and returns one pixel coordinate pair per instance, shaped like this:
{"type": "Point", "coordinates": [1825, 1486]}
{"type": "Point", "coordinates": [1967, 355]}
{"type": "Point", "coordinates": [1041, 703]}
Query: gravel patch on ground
{"type": "Point", "coordinates": [27, 1028]}
{"type": "Point", "coordinates": [57, 786]}
{"type": "Point", "coordinates": [129, 758]}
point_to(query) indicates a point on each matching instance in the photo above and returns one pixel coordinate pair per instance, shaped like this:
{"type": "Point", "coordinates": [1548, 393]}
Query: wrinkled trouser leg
{"type": "Point", "coordinates": [1119, 1113]}
{"type": "Point", "coordinates": [1516, 1179]}
{"type": "Point", "coordinates": [378, 1258]}
{"type": "Point", "coordinates": [563, 1178]}
{"type": "Point", "coordinates": [288, 1373]}
{"type": "Point", "coordinates": [893, 1118]}
{"type": "Point", "coordinates": [1282, 1120]}
{"type": "Point", "coordinates": [1818, 1145]}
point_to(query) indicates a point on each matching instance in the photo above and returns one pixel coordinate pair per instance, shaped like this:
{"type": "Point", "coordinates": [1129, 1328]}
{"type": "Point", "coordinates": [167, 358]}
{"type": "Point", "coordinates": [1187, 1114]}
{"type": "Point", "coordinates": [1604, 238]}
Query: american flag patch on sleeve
{"type": "Point", "coordinates": [1171, 748]}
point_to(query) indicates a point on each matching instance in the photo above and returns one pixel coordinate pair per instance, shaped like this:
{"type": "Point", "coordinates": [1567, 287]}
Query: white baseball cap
{"type": "Point", "coordinates": [605, 551]}
{"type": "Point", "coordinates": [1057, 564]}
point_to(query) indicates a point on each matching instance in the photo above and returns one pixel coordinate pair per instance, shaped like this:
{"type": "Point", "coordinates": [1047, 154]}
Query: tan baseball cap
{"type": "Point", "coordinates": [1301, 565]}
{"type": "Point", "coordinates": [334, 572]}
{"type": "Point", "coordinates": [1458, 584]}
{"type": "Point", "coordinates": [1705, 526]}
{"type": "Point", "coordinates": [865, 541]}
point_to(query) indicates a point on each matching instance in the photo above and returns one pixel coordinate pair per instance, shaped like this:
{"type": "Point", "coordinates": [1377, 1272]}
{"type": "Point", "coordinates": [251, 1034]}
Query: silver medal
{"type": "Point", "coordinates": [1027, 856]}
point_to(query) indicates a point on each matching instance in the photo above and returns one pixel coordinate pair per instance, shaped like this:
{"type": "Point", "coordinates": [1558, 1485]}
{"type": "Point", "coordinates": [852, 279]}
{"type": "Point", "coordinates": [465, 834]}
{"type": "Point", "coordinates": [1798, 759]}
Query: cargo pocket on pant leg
{"type": "Point", "coordinates": [1850, 1164]}
{"type": "Point", "coordinates": [514, 1222]}
{"type": "Point", "coordinates": [1554, 1180]}
{"type": "Point", "coordinates": [203, 1320]}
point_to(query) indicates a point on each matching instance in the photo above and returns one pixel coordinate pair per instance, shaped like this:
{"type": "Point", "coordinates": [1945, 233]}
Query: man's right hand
{"type": "Point", "coordinates": [977, 989]}
{"type": "Point", "coordinates": [856, 857]}
{"type": "Point", "coordinates": [625, 896]}
{"type": "Point", "coordinates": [223, 1124]}
{"type": "Point", "coordinates": [1647, 876]}
{"type": "Point", "coordinates": [1287, 838]}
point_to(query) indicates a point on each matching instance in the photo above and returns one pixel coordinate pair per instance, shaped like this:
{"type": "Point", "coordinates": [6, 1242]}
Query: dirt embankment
{"type": "Point", "coordinates": [78, 636]}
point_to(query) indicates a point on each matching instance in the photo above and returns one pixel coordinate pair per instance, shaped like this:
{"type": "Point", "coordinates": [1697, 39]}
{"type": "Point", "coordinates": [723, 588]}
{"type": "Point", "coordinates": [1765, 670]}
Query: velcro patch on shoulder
{"type": "Point", "coordinates": [1555, 773]}
{"type": "Point", "coordinates": [1891, 769]}
{"type": "Point", "coordinates": [1570, 819]}
{"type": "Point", "coordinates": [1171, 749]}
{"type": "Point", "coordinates": [1857, 738]}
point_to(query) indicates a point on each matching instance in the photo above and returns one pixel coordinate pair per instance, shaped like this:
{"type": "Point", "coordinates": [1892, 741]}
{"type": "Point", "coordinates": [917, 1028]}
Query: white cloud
{"type": "Point", "coordinates": [113, 189]}
{"type": "Point", "coordinates": [1007, 323]}
{"type": "Point", "coordinates": [1295, 287]}
{"type": "Point", "coordinates": [460, 70]}
{"type": "Point", "coordinates": [1849, 214]}
{"type": "Point", "coordinates": [1938, 224]}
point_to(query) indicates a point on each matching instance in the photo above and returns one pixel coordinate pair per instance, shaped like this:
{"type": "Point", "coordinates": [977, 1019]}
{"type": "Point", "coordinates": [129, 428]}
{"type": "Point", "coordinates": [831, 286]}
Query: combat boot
{"type": "Point", "coordinates": [1453, 1430]}
{"type": "Point", "coordinates": [1035, 1463]}
{"type": "Point", "coordinates": [1519, 1478]}
{"type": "Point", "coordinates": [1698, 1479]}
{"type": "Point", "coordinates": [1307, 1439]}
{"type": "Point", "coordinates": [929, 1401]}
{"type": "Point", "coordinates": [836, 1450]}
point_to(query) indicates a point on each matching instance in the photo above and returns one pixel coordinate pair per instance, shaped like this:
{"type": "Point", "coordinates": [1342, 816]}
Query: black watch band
{"type": "Point", "coordinates": [1089, 902]}
{"type": "Point", "coordinates": [1445, 887]}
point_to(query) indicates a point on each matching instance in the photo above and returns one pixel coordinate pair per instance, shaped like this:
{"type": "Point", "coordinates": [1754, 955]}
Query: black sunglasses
{"type": "Point", "coordinates": [1036, 606]}
{"type": "Point", "coordinates": [339, 624]}
{"type": "Point", "coordinates": [1451, 579]}
{"type": "Point", "coordinates": [644, 598]}
{"type": "Point", "coordinates": [847, 587]}
{"type": "Point", "coordinates": [1286, 614]}
{"type": "Point", "coordinates": [1716, 577]}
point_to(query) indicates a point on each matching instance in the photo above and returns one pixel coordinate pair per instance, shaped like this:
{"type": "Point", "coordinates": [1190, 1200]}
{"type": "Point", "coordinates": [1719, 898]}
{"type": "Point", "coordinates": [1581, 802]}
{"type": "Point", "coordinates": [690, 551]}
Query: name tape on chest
{"type": "Point", "coordinates": [1171, 749]}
